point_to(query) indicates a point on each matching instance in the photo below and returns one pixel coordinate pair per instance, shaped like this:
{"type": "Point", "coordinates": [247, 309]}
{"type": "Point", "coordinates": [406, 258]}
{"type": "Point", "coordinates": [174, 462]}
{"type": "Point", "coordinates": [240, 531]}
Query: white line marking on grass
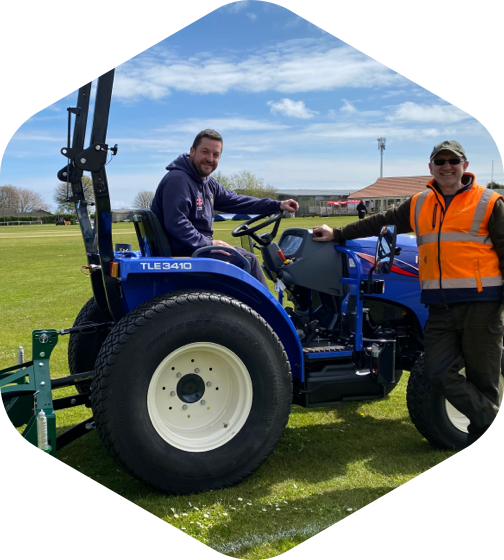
{"type": "Point", "coordinates": [55, 234]}
{"type": "Point", "coordinates": [249, 541]}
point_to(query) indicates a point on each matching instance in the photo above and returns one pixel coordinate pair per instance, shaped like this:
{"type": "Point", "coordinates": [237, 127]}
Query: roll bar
{"type": "Point", "coordinates": [97, 238]}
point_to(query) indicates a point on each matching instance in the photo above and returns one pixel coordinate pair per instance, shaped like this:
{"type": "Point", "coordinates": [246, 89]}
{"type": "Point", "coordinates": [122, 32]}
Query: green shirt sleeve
{"type": "Point", "coordinates": [399, 217]}
{"type": "Point", "coordinates": [496, 229]}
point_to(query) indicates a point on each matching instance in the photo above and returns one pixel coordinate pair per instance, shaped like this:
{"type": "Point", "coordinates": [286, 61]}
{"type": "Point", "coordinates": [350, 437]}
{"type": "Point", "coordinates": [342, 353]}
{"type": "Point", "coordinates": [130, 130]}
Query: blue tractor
{"type": "Point", "coordinates": [190, 365]}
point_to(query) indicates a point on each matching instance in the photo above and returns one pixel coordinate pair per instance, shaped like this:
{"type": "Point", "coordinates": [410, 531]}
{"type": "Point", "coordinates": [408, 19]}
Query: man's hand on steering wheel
{"type": "Point", "coordinates": [265, 220]}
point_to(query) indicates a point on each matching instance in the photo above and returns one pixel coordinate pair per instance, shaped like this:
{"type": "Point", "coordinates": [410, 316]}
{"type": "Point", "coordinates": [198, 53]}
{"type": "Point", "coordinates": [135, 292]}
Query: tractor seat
{"type": "Point", "coordinates": [153, 238]}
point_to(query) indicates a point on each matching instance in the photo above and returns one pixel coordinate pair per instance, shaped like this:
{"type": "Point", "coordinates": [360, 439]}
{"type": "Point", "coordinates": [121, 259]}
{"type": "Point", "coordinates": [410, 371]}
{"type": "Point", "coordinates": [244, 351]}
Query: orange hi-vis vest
{"type": "Point", "coordinates": [457, 261]}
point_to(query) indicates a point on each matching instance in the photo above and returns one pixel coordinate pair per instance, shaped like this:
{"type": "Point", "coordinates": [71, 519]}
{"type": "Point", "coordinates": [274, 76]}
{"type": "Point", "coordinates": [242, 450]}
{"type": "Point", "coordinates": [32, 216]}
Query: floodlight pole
{"type": "Point", "coordinates": [381, 147]}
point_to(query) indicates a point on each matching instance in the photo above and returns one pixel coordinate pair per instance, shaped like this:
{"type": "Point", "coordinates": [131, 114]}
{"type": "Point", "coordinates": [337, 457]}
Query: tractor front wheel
{"type": "Point", "coordinates": [83, 348]}
{"type": "Point", "coordinates": [191, 392]}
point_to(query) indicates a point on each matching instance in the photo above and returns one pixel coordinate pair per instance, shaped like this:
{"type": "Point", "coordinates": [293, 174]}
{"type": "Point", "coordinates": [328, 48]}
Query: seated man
{"type": "Point", "coordinates": [187, 196]}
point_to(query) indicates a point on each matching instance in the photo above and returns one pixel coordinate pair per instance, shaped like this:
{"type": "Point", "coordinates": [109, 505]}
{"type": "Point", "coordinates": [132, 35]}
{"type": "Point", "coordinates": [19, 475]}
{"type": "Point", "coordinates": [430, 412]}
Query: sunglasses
{"type": "Point", "coordinates": [453, 161]}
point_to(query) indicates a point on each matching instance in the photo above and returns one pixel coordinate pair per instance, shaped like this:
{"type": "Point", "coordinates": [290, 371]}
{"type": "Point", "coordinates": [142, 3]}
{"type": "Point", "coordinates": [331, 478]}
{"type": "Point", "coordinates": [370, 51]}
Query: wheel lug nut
{"type": "Point", "coordinates": [196, 370]}
{"type": "Point", "coordinates": [184, 407]}
{"type": "Point", "coordinates": [179, 374]}
{"type": "Point", "coordinates": [208, 384]}
{"type": "Point", "coordinates": [172, 393]}
{"type": "Point", "coordinates": [203, 402]}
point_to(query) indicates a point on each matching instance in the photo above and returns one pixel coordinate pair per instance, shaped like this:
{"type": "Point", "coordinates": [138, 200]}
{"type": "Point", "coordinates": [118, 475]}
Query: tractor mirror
{"type": "Point", "coordinates": [385, 249]}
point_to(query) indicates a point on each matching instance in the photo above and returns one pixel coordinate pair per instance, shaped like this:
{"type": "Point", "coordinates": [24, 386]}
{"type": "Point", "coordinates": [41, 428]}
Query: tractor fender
{"type": "Point", "coordinates": [146, 277]}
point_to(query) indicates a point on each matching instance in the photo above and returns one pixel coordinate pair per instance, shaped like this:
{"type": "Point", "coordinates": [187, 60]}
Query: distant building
{"type": "Point", "coordinates": [36, 213]}
{"type": "Point", "coordinates": [14, 213]}
{"type": "Point", "coordinates": [8, 211]}
{"type": "Point", "coordinates": [311, 201]}
{"type": "Point", "coordinates": [387, 192]}
{"type": "Point", "coordinates": [121, 215]}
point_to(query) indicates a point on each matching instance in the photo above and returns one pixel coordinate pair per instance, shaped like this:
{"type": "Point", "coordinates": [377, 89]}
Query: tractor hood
{"type": "Point", "coordinates": [407, 242]}
{"type": "Point", "coordinates": [406, 263]}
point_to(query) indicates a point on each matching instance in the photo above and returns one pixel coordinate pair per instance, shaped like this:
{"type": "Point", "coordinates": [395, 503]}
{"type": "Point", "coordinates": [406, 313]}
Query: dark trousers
{"type": "Point", "coordinates": [466, 335]}
{"type": "Point", "coordinates": [255, 267]}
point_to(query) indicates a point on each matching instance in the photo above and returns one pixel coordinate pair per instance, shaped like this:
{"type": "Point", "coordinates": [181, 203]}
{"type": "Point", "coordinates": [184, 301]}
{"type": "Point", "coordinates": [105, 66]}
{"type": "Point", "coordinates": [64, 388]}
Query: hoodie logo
{"type": "Point", "coordinates": [200, 203]}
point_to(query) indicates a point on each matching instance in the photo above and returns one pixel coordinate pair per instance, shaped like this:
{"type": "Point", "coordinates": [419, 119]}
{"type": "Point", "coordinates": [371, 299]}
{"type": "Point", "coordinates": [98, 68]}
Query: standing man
{"type": "Point", "coordinates": [187, 196]}
{"type": "Point", "coordinates": [362, 210]}
{"type": "Point", "coordinates": [459, 227]}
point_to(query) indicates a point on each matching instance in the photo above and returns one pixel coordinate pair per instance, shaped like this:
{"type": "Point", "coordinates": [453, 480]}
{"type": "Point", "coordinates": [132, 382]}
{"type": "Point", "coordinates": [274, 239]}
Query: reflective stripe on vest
{"type": "Point", "coordinates": [472, 236]}
{"type": "Point", "coordinates": [488, 282]}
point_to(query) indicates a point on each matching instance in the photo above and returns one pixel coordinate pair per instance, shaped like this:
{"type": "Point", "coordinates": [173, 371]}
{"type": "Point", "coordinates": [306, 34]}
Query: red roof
{"type": "Point", "coordinates": [393, 187]}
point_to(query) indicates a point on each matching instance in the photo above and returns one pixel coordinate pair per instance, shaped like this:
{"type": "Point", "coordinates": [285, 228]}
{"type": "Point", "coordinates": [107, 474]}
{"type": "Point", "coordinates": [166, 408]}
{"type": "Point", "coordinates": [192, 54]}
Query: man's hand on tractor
{"type": "Point", "coordinates": [289, 206]}
{"type": "Point", "coordinates": [323, 233]}
{"type": "Point", "coordinates": [222, 244]}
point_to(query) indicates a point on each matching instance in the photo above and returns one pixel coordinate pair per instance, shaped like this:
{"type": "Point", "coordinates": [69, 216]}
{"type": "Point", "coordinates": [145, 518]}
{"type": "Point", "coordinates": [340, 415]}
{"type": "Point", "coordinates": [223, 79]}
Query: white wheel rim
{"type": "Point", "coordinates": [459, 420]}
{"type": "Point", "coordinates": [214, 418]}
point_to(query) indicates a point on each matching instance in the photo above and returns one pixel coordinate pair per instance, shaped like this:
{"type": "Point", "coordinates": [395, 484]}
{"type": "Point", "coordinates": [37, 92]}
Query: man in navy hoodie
{"type": "Point", "coordinates": [187, 196]}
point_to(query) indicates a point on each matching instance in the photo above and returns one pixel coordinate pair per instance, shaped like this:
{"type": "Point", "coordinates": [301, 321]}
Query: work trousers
{"type": "Point", "coordinates": [469, 335]}
{"type": "Point", "coordinates": [255, 267]}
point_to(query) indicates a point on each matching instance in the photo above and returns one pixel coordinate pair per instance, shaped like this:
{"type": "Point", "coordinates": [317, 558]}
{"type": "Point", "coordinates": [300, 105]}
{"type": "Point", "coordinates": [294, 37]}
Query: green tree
{"type": "Point", "coordinates": [245, 182]}
{"type": "Point", "coordinates": [494, 185]}
{"type": "Point", "coordinates": [222, 180]}
{"type": "Point", "coordinates": [60, 195]}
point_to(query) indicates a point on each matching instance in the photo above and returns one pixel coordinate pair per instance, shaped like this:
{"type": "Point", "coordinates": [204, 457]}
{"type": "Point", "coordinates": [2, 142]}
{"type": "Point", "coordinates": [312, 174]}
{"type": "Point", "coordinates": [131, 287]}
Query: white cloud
{"type": "Point", "coordinates": [413, 112]}
{"type": "Point", "coordinates": [236, 7]}
{"type": "Point", "coordinates": [225, 124]}
{"type": "Point", "coordinates": [251, 16]}
{"type": "Point", "coordinates": [291, 67]}
{"type": "Point", "coordinates": [294, 22]}
{"type": "Point", "coordinates": [134, 86]}
{"type": "Point", "coordinates": [290, 108]}
{"type": "Point", "coordinates": [393, 93]}
{"type": "Point", "coordinates": [353, 131]}
{"type": "Point", "coordinates": [37, 137]}
{"type": "Point", "coordinates": [348, 107]}
{"type": "Point", "coordinates": [349, 111]}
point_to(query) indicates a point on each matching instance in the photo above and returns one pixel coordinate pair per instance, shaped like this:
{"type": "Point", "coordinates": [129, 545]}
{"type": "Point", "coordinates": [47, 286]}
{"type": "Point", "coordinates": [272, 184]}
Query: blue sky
{"type": "Point", "coordinates": [295, 105]}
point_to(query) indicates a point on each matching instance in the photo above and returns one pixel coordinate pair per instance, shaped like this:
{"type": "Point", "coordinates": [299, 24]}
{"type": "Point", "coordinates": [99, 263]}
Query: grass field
{"type": "Point", "coordinates": [330, 462]}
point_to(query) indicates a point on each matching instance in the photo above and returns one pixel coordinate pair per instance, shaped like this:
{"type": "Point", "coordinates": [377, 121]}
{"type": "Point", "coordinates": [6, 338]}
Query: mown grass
{"type": "Point", "coordinates": [330, 462]}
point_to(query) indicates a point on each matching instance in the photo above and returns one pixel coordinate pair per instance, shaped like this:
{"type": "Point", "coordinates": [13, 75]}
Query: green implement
{"type": "Point", "coordinates": [27, 396]}
{"type": "Point", "coordinates": [27, 393]}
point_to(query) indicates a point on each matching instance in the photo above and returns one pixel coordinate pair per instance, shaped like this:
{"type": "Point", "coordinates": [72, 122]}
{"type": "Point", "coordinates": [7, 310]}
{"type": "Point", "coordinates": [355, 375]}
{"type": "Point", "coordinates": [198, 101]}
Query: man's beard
{"type": "Point", "coordinates": [200, 171]}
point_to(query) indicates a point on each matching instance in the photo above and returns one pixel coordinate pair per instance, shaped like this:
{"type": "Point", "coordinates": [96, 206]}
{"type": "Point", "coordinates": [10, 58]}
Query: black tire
{"type": "Point", "coordinates": [144, 426]}
{"type": "Point", "coordinates": [83, 348]}
{"type": "Point", "coordinates": [431, 413]}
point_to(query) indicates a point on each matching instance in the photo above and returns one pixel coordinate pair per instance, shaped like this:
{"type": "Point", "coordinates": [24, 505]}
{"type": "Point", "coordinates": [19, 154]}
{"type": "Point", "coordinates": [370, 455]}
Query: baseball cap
{"type": "Point", "coordinates": [450, 145]}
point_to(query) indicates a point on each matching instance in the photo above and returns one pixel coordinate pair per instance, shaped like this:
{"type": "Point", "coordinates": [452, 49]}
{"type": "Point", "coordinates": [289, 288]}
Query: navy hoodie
{"type": "Point", "coordinates": [185, 204]}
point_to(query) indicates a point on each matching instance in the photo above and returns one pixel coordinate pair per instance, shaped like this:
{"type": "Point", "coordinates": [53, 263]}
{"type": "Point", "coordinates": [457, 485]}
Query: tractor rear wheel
{"type": "Point", "coordinates": [439, 422]}
{"type": "Point", "coordinates": [191, 392]}
{"type": "Point", "coordinates": [83, 348]}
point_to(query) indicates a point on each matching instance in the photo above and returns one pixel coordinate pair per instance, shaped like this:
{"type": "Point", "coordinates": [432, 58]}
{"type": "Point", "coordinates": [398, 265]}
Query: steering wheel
{"type": "Point", "coordinates": [266, 238]}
